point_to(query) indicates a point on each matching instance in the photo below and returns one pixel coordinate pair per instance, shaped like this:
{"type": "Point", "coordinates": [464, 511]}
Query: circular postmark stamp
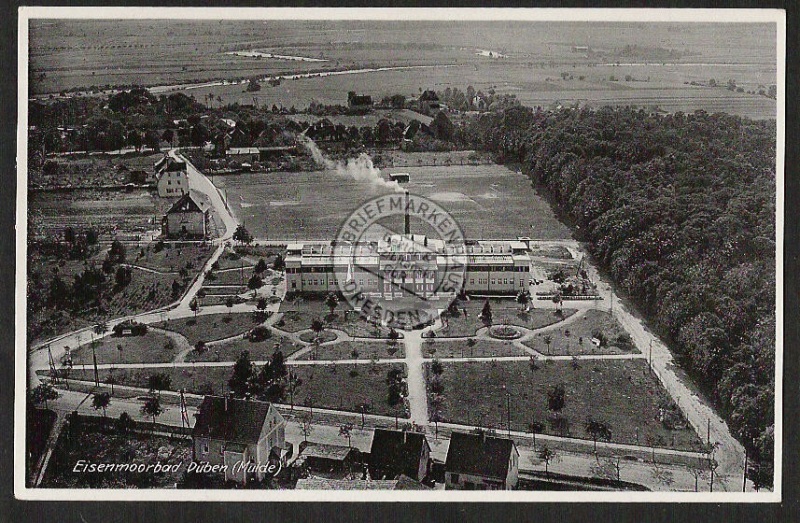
{"type": "Point", "coordinates": [391, 275]}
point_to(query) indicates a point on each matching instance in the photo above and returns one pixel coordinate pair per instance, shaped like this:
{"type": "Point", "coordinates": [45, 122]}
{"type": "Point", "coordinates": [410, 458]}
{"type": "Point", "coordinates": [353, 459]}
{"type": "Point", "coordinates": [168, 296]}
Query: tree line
{"type": "Point", "coordinates": [680, 210]}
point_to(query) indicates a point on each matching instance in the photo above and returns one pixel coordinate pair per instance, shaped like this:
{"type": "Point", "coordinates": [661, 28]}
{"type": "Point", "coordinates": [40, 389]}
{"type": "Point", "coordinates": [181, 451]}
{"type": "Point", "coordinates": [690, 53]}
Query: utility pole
{"type": "Point", "coordinates": [508, 409]}
{"type": "Point", "coordinates": [744, 475]}
{"type": "Point", "coordinates": [94, 360]}
{"type": "Point", "coordinates": [708, 432]}
{"type": "Point", "coordinates": [651, 356]}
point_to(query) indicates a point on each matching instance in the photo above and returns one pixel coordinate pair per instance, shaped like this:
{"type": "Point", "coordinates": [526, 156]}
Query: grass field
{"type": "Point", "coordinates": [463, 349]}
{"type": "Point", "coordinates": [196, 380]}
{"type": "Point", "coordinates": [623, 394]}
{"type": "Point", "coordinates": [153, 347]}
{"type": "Point", "coordinates": [341, 390]}
{"type": "Point", "coordinates": [299, 314]}
{"type": "Point", "coordinates": [503, 311]}
{"type": "Point", "coordinates": [211, 327]}
{"type": "Point", "coordinates": [575, 338]}
{"type": "Point", "coordinates": [96, 446]}
{"type": "Point", "coordinates": [324, 386]}
{"type": "Point", "coordinates": [366, 350]}
{"type": "Point", "coordinates": [487, 201]}
{"type": "Point", "coordinates": [259, 351]}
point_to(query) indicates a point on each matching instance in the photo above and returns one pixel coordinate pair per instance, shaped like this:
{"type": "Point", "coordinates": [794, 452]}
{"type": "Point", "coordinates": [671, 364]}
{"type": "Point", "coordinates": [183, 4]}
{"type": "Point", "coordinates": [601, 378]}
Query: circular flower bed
{"type": "Point", "coordinates": [323, 336]}
{"type": "Point", "coordinates": [504, 332]}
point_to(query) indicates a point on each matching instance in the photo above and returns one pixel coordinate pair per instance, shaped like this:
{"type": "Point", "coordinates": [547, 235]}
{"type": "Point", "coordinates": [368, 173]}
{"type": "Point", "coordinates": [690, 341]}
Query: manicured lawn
{"type": "Point", "coordinates": [366, 350]}
{"type": "Point", "coordinates": [299, 314]}
{"type": "Point", "coordinates": [462, 349]}
{"type": "Point", "coordinates": [340, 390]}
{"type": "Point", "coordinates": [259, 351]}
{"type": "Point", "coordinates": [231, 277]}
{"type": "Point", "coordinates": [320, 385]}
{"type": "Point", "coordinates": [222, 291]}
{"type": "Point", "coordinates": [503, 311]}
{"type": "Point", "coordinates": [153, 347]}
{"type": "Point", "coordinates": [212, 326]}
{"type": "Point", "coordinates": [232, 260]}
{"type": "Point", "coordinates": [221, 299]}
{"type": "Point", "coordinates": [93, 445]}
{"type": "Point", "coordinates": [621, 393]}
{"type": "Point", "coordinates": [575, 337]}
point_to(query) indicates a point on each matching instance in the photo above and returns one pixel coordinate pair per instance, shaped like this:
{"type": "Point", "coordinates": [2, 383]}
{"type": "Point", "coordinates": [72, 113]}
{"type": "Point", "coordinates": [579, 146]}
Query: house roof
{"type": "Point", "coordinates": [170, 164]}
{"type": "Point", "coordinates": [480, 455]}
{"type": "Point", "coordinates": [397, 450]}
{"type": "Point", "coordinates": [344, 484]}
{"type": "Point", "coordinates": [240, 422]}
{"type": "Point", "coordinates": [185, 203]}
{"type": "Point", "coordinates": [401, 483]}
{"type": "Point", "coordinates": [323, 451]}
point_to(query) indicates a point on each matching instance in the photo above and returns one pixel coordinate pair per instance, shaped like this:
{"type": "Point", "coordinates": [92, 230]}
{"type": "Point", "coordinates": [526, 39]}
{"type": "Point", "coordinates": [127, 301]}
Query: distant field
{"type": "Point", "coordinates": [534, 86]}
{"type": "Point", "coordinates": [67, 54]}
{"type": "Point", "coordinates": [488, 201]}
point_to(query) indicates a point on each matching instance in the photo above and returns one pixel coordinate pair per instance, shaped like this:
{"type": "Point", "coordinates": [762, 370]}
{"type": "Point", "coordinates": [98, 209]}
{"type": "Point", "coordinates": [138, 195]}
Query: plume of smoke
{"type": "Point", "coordinates": [360, 168]}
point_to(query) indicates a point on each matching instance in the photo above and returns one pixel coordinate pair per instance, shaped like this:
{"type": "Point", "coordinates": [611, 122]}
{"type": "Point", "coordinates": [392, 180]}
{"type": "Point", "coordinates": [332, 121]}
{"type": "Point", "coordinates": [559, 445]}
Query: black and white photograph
{"type": "Point", "coordinates": [475, 254]}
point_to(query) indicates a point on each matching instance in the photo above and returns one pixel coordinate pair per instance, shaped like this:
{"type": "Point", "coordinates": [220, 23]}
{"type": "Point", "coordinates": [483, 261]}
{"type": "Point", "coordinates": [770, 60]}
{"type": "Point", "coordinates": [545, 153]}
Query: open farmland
{"type": "Point", "coordinates": [488, 201]}
{"type": "Point", "coordinates": [653, 85]}
{"type": "Point", "coordinates": [661, 60]}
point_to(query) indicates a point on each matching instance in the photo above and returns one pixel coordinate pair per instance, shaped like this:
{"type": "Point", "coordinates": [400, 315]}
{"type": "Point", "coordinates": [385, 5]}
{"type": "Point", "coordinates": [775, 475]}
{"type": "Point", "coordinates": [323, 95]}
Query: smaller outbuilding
{"type": "Point", "coordinates": [332, 459]}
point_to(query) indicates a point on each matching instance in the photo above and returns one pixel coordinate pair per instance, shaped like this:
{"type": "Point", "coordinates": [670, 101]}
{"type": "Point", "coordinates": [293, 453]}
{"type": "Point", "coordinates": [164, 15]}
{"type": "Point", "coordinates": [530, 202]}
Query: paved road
{"type": "Point", "coordinates": [729, 453]}
{"type": "Point", "coordinates": [567, 463]}
{"type": "Point", "coordinates": [417, 392]}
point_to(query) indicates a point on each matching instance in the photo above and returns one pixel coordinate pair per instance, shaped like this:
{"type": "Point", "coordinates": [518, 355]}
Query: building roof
{"type": "Point", "coordinates": [397, 450]}
{"type": "Point", "coordinates": [169, 164]}
{"type": "Point", "coordinates": [401, 483]}
{"type": "Point", "coordinates": [234, 420]}
{"type": "Point", "coordinates": [479, 455]}
{"type": "Point", "coordinates": [323, 451]}
{"type": "Point", "coordinates": [186, 203]}
{"type": "Point", "coordinates": [344, 484]}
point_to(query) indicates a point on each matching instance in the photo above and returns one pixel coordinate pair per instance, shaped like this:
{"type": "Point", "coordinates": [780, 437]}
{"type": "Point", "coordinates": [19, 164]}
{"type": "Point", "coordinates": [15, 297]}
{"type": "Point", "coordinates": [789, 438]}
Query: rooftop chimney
{"type": "Point", "coordinates": [406, 218]}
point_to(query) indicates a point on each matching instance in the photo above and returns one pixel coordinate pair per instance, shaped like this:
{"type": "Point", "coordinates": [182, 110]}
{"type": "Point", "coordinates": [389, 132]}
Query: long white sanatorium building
{"type": "Point", "coordinates": [408, 264]}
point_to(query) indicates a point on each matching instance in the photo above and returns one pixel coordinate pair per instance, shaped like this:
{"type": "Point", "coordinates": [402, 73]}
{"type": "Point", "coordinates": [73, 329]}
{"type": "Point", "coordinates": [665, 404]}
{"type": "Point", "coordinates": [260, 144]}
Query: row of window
{"type": "Point", "coordinates": [496, 281]}
{"type": "Point", "coordinates": [470, 268]}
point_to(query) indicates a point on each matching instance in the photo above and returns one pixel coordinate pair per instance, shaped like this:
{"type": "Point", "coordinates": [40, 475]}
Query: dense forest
{"type": "Point", "coordinates": [680, 210]}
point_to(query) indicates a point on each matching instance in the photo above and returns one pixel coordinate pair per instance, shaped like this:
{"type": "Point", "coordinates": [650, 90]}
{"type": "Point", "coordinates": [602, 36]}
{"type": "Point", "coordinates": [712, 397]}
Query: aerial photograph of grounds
{"type": "Point", "coordinates": [428, 255]}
